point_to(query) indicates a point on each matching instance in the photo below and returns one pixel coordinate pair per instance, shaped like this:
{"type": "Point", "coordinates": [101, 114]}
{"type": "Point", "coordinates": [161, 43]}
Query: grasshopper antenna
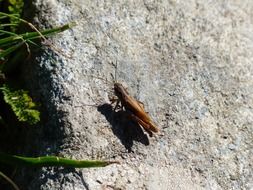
{"type": "Point", "coordinates": [115, 74]}
{"type": "Point", "coordinates": [100, 78]}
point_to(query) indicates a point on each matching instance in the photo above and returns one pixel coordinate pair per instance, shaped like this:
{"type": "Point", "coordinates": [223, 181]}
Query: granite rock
{"type": "Point", "coordinates": [189, 62]}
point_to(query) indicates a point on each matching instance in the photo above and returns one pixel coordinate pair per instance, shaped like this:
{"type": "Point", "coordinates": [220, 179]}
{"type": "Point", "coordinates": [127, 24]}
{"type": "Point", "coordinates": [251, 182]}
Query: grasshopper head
{"type": "Point", "coordinates": [119, 90]}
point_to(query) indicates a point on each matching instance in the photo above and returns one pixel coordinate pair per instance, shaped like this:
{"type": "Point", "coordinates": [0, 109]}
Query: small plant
{"type": "Point", "coordinates": [21, 104]}
{"type": "Point", "coordinates": [11, 50]}
{"type": "Point", "coordinates": [15, 7]}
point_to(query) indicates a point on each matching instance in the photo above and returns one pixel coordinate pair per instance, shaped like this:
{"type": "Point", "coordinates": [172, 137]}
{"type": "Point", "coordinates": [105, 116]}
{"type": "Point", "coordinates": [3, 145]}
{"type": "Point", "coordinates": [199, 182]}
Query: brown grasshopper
{"type": "Point", "coordinates": [135, 107]}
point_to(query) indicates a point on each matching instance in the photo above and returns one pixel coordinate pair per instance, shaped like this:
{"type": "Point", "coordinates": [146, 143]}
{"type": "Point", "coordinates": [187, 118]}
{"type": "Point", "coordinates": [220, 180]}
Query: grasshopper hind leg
{"type": "Point", "coordinates": [140, 122]}
{"type": "Point", "coordinates": [141, 104]}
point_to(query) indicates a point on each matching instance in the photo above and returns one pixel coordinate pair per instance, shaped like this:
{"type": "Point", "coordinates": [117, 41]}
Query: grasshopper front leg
{"type": "Point", "coordinates": [115, 99]}
{"type": "Point", "coordinates": [117, 105]}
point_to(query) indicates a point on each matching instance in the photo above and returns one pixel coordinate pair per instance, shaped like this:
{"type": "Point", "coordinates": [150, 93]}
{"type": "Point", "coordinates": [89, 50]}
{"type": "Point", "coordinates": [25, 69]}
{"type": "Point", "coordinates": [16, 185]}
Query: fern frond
{"type": "Point", "coordinates": [21, 104]}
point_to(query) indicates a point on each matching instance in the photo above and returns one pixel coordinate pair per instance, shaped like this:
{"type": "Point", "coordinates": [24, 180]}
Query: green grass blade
{"type": "Point", "coordinates": [33, 35]}
{"type": "Point", "coordinates": [5, 15]}
{"type": "Point", "coordinates": [8, 24]}
{"type": "Point", "coordinates": [6, 52]}
{"type": "Point", "coordinates": [7, 32]}
{"type": "Point", "coordinates": [47, 161]}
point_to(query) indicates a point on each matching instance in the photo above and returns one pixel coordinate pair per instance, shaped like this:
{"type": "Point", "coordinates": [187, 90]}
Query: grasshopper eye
{"type": "Point", "coordinates": [116, 86]}
{"type": "Point", "coordinates": [117, 89]}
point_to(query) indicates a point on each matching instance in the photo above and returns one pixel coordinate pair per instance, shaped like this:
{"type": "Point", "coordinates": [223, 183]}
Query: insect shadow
{"type": "Point", "coordinates": [125, 128]}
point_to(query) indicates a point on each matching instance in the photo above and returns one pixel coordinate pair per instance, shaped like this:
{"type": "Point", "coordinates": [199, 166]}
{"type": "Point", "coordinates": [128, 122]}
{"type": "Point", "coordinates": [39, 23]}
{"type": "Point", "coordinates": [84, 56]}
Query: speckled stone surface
{"type": "Point", "coordinates": [189, 62]}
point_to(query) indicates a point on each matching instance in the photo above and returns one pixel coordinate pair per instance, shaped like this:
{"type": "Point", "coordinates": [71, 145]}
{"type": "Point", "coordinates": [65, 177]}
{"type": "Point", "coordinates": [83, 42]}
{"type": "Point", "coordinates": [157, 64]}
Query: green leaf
{"type": "Point", "coordinates": [21, 104]}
